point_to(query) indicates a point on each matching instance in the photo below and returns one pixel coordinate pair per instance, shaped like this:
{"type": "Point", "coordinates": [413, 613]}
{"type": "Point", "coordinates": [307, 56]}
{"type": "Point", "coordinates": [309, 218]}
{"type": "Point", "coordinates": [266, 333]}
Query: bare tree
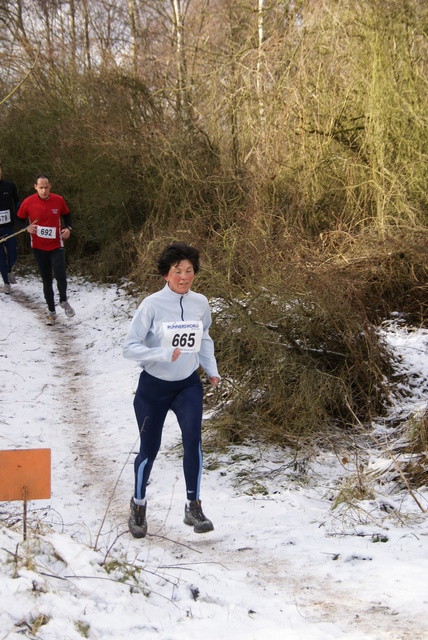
{"type": "Point", "coordinates": [260, 11]}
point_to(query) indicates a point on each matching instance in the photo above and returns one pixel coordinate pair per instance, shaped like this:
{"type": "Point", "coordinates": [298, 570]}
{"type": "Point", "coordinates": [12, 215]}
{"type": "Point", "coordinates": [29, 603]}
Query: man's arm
{"type": "Point", "coordinates": [21, 217]}
{"type": "Point", "coordinates": [15, 197]}
{"type": "Point", "coordinates": [66, 220]}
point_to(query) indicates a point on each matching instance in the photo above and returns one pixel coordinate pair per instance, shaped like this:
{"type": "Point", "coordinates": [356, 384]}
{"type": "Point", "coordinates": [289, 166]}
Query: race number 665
{"type": "Point", "coordinates": [183, 340]}
{"type": "Point", "coordinates": [183, 334]}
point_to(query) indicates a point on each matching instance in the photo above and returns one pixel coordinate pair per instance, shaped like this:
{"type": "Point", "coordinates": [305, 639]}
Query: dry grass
{"type": "Point", "coordinates": [294, 322]}
{"type": "Point", "coordinates": [415, 467]}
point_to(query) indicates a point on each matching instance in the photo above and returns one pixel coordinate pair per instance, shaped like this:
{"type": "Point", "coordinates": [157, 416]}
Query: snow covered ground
{"type": "Point", "coordinates": [282, 563]}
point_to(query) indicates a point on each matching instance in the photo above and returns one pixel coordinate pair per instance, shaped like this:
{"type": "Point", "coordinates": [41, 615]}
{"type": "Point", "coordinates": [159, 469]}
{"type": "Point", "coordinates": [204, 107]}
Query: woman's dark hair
{"type": "Point", "coordinates": [175, 253]}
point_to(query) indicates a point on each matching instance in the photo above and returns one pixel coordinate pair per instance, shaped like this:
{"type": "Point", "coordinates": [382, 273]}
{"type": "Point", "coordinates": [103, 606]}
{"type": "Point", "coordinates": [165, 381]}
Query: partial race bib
{"type": "Point", "coordinates": [186, 335]}
{"type": "Point", "coordinates": [46, 232]}
{"type": "Point", "coordinates": [5, 216]}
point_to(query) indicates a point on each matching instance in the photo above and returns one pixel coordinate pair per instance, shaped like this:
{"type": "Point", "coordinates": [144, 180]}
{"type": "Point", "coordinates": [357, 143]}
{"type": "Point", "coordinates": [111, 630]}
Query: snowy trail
{"type": "Point", "coordinates": [277, 565]}
{"type": "Point", "coordinates": [64, 377]}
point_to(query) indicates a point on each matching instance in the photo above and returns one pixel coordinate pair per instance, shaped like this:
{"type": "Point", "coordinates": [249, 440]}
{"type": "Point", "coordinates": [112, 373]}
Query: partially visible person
{"type": "Point", "coordinates": [169, 338]}
{"type": "Point", "coordinates": [43, 211]}
{"type": "Point", "coordinates": [9, 203]}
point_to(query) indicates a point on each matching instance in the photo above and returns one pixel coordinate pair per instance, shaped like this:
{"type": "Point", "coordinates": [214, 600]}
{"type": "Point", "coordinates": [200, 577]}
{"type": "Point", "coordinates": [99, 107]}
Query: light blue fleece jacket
{"type": "Point", "coordinates": [144, 338]}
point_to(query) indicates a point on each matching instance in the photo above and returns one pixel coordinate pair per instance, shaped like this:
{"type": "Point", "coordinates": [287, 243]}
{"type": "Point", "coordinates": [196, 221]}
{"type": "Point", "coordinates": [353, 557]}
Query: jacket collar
{"type": "Point", "coordinates": [172, 293]}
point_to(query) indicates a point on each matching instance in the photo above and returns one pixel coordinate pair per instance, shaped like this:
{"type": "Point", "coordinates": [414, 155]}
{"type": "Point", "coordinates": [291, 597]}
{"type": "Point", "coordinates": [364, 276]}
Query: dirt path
{"type": "Point", "coordinates": [80, 422]}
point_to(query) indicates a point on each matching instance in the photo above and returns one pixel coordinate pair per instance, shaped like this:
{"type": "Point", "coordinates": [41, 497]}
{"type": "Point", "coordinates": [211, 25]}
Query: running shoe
{"type": "Point", "coordinates": [194, 516]}
{"type": "Point", "coordinates": [69, 311]}
{"type": "Point", "coordinates": [137, 522]}
{"type": "Point", "coordinates": [51, 317]}
{"type": "Point", "coordinates": [6, 288]}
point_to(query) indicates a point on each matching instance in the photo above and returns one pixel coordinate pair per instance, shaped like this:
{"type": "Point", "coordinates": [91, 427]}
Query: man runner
{"type": "Point", "coordinates": [43, 211]}
{"type": "Point", "coordinates": [9, 203]}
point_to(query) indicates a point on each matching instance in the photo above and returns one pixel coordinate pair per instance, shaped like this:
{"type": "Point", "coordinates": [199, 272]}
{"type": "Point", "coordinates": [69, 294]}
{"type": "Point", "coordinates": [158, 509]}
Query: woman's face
{"type": "Point", "coordinates": [180, 276]}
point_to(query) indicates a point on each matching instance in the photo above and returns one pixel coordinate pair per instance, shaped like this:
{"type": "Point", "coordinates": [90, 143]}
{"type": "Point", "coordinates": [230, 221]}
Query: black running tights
{"type": "Point", "coordinates": [48, 261]}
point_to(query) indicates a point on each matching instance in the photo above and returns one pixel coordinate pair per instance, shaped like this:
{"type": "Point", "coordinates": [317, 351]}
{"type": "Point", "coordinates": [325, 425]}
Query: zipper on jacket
{"type": "Point", "coordinates": [182, 310]}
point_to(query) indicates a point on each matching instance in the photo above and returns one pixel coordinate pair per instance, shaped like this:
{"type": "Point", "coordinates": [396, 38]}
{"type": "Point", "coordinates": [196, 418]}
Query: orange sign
{"type": "Point", "coordinates": [25, 474]}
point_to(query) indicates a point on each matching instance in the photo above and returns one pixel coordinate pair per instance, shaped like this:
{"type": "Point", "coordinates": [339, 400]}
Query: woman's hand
{"type": "Point", "coordinates": [175, 354]}
{"type": "Point", "coordinates": [214, 380]}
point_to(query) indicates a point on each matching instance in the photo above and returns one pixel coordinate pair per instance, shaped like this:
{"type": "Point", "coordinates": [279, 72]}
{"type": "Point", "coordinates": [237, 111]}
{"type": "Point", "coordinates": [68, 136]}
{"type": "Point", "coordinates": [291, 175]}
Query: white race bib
{"type": "Point", "coordinates": [46, 232]}
{"type": "Point", "coordinates": [186, 335]}
{"type": "Point", "coordinates": [4, 216]}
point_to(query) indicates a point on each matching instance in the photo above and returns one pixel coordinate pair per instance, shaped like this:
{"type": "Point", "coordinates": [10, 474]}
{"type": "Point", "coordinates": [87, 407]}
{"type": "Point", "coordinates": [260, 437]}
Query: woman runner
{"type": "Point", "coordinates": [169, 337]}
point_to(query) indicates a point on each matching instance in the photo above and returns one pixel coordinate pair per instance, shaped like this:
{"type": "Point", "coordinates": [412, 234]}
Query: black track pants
{"type": "Point", "coordinates": [48, 261]}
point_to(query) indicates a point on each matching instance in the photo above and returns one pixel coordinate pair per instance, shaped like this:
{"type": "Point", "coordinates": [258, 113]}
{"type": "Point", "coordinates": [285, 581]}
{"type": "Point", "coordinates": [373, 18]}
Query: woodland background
{"type": "Point", "coordinates": [286, 139]}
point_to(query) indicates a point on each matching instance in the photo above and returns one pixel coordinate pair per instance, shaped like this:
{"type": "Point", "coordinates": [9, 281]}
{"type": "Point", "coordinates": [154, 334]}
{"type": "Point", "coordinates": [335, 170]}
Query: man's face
{"type": "Point", "coordinates": [43, 188]}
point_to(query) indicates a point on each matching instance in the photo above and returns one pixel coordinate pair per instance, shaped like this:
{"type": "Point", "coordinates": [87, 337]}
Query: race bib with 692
{"type": "Point", "coordinates": [46, 232]}
{"type": "Point", "coordinates": [186, 335]}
